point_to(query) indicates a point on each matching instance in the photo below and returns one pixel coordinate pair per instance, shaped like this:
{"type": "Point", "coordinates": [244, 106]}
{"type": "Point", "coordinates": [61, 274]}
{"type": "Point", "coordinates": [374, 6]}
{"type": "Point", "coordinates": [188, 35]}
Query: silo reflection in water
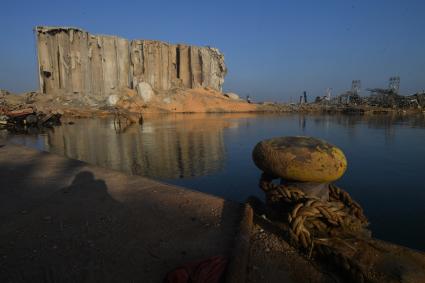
{"type": "Point", "coordinates": [184, 146]}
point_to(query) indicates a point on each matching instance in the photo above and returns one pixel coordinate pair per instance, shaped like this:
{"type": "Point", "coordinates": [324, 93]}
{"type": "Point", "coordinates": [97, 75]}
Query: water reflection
{"type": "Point", "coordinates": [170, 146]}
{"type": "Point", "coordinates": [182, 146]}
{"type": "Point", "coordinates": [386, 122]}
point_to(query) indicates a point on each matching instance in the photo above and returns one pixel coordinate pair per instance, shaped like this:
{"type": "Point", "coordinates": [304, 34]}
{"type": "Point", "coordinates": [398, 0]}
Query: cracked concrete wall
{"type": "Point", "coordinates": [72, 60]}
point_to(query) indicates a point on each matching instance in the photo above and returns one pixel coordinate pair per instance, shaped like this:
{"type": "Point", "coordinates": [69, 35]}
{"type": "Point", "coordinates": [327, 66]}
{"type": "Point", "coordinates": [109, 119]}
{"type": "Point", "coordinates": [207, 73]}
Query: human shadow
{"type": "Point", "coordinates": [70, 227]}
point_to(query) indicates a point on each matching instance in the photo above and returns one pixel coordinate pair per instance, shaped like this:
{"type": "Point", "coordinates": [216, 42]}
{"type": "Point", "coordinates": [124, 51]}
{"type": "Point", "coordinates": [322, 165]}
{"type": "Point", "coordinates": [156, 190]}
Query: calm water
{"type": "Point", "coordinates": [212, 153]}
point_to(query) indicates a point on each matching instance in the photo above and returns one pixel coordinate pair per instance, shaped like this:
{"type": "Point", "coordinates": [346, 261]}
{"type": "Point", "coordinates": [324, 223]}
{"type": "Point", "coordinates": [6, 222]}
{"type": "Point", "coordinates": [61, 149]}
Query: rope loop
{"type": "Point", "coordinates": [311, 218]}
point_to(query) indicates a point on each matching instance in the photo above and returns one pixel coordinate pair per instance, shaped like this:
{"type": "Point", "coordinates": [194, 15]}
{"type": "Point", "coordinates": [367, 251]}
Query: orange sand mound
{"type": "Point", "coordinates": [196, 100]}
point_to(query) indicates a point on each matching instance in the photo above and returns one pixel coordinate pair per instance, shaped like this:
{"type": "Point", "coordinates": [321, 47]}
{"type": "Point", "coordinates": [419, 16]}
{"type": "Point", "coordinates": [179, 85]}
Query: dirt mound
{"type": "Point", "coordinates": [196, 100]}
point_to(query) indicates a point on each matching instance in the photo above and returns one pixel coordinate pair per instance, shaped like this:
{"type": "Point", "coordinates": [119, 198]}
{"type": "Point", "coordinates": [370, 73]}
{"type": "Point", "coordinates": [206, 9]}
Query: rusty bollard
{"type": "Point", "coordinates": [322, 220]}
{"type": "Point", "coordinates": [307, 163]}
{"type": "Point", "coordinates": [306, 198]}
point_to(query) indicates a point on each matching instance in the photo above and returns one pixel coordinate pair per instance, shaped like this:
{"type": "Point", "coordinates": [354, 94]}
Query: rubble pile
{"type": "Point", "coordinates": [393, 100]}
{"type": "Point", "coordinates": [28, 120]}
{"type": "Point", "coordinates": [379, 99]}
{"type": "Point", "coordinates": [418, 99]}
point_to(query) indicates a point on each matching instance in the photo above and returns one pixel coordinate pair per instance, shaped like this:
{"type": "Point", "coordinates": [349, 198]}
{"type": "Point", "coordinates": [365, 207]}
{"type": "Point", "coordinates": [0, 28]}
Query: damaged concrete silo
{"type": "Point", "coordinates": [72, 60]}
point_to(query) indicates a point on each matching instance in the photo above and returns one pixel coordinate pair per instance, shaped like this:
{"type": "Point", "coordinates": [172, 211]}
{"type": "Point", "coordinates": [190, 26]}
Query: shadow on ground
{"type": "Point", "coordinates": [62, 220]}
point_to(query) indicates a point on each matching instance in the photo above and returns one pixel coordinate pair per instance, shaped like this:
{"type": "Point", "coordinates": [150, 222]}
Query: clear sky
{"type": "Point", "coordinates": [273, 49]}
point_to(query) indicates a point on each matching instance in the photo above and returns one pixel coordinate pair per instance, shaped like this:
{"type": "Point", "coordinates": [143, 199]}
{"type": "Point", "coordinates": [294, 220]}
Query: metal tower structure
{"type": "Point", "coordinates": [356, 86]}
{"type": "Point", "coordinates": [394, 84]}
{"type": "Point", "coordinates": [328, 94]}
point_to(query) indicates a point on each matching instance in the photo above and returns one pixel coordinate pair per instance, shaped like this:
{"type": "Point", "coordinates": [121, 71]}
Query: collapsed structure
{"type": "Point", "coordinates": [73, 60]}
{"type": "Point", "coordinates": [380, 97]}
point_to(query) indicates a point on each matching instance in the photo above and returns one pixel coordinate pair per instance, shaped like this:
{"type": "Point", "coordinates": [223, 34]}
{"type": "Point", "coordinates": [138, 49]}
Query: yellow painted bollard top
{"type": "Point", "coordinates": [301, 159]}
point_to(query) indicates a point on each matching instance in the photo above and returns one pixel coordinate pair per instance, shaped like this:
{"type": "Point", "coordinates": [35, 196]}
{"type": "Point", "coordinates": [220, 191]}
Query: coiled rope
{"type": "Point", "coordinates": [312, 220]}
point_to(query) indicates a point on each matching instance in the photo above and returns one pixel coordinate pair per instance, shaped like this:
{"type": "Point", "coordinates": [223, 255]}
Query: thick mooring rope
{"type": "Point", "coordinates": [310, 219]}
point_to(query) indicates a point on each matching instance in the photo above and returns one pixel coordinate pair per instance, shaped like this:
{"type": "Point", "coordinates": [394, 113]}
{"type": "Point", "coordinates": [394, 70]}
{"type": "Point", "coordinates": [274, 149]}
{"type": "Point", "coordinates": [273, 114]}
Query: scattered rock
{"type": "Point", "coordinates": [113, 99]}
{"type": "Point", "coordinates": [167, 100]}
{"type": "Point", "coordinates": [145, 91]}
{"type": "Point", "coordinates": [232, 95]}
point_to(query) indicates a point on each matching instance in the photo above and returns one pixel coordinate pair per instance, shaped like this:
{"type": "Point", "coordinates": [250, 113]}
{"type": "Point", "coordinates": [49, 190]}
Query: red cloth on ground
{"type": "Point", "coordinates": [210, 270]}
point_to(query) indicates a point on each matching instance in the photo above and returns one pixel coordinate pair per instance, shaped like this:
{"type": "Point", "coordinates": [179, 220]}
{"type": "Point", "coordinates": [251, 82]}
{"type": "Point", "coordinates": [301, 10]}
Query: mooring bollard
{"type": "Point", "coordinates": [306, 163]}
{"type": "Point", "coordinates": [313, 209]}
{"type": "Point", "coordinates": [319, 218]}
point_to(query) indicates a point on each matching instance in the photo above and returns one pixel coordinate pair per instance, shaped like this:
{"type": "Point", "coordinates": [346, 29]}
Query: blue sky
{"type": "Point", "coordinates": [273, 49]}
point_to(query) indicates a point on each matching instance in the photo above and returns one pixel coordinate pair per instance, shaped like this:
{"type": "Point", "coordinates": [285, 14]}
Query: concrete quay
{"type": "Point", "coordinates": [63, 220]}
